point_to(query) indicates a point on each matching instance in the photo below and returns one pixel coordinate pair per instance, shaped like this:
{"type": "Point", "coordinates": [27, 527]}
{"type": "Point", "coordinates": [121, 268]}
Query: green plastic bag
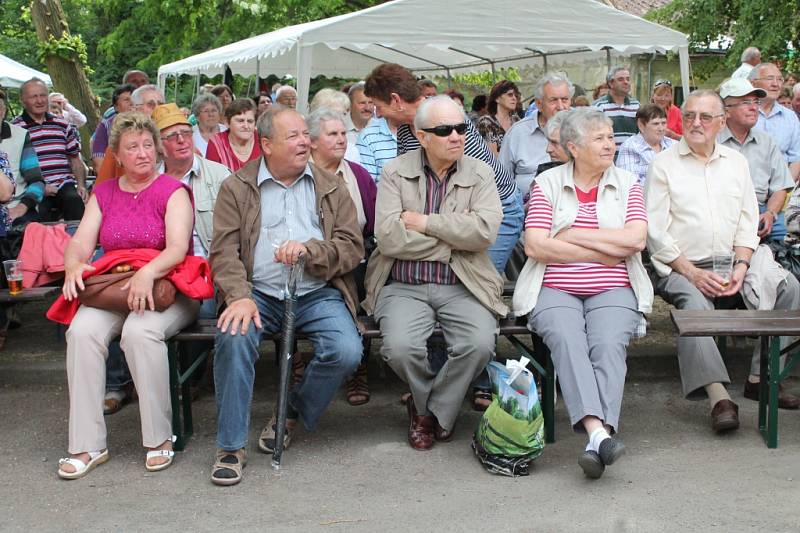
{"type": "Point", "coordinates": [511, 431]}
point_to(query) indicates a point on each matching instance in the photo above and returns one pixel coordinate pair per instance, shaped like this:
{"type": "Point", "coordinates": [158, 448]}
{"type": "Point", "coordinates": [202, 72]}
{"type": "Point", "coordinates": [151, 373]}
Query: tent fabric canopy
{"type": "Point", "coordinates": [13, 74]}
{"type": "Point", "coordinates": [439, 37]}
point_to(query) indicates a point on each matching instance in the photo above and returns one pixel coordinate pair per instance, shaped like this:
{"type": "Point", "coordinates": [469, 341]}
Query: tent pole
{"type": "Point", "coordinates": [491, 63]}
{"type": "Point", "coordinates": [175, 98]}
{"type": "Point", "coordinates": [544, 62]}
{"type": "Point", "coordinates": [303, 73]}
{"type": "Point", "coordinates": [258, 75]}
{"type": "Point", "coordinates": [196, 86]}
{"type": "Point", "coordinates": [683, 55]}
{"type": "Point", "coordinates": [608, 58]}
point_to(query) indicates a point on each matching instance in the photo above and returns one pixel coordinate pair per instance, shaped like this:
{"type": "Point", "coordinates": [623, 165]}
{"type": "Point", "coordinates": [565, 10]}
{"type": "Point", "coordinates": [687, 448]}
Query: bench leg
{"type": "Point", "coordinates": [173, 353]}
{"type": "Point", "coordinates": [763, 386]}
{"type": "Point", "coordinates": [542, 354]}
{"type": "Point", "coordinates": [768, 391]}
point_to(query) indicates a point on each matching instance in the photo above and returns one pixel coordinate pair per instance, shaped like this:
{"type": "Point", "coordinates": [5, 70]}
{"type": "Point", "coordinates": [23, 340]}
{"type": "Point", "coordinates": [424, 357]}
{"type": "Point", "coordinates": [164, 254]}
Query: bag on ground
{"type": "Point", "coordinates": [511, 431]}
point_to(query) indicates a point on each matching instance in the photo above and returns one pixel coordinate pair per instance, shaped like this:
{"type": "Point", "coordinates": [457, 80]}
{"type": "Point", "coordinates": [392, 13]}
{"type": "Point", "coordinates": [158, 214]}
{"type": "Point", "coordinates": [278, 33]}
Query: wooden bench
{"type": "Point", "coordinates": [768, 326]}
{"type": "Point", "coordinates": [205, 330]}
{"type": "Point", "coordinates": [36, 294]}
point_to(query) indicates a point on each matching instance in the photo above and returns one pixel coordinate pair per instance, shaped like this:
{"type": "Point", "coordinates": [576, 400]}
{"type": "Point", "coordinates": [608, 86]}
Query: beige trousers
{"type": "Point", "coordinates": [142, 340]}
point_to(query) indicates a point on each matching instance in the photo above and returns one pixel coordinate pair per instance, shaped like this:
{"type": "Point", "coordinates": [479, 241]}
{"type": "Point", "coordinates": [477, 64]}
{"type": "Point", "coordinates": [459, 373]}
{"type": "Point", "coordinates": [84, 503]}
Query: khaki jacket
{"type": "Point", "coordinates": [205, 187]}
{"type": "Point", "coordinates": [459, 235]}
{"type": "Point", "coordinates": [237, 227]}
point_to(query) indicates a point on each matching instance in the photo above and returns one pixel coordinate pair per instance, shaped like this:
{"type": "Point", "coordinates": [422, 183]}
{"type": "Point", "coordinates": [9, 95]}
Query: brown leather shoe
{"type": "Point", "coordinates": [441, 434]}
{"type": "Point", "coordinates": [420, 428]}
{"type": "Point", "coordinates": [725, 416]}
{"type": "Point", "coordinates": [786, 400]}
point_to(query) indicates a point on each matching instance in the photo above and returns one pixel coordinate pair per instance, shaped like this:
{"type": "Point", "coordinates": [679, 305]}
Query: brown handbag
{"type": "Point", "coordinates": [104, 291]}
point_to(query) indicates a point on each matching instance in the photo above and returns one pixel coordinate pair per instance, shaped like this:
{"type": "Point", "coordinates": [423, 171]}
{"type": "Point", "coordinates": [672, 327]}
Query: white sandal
{"type": "Point", "coordinates": [81, 468]}
{"type": "Point", "coordinates": [152, 454]}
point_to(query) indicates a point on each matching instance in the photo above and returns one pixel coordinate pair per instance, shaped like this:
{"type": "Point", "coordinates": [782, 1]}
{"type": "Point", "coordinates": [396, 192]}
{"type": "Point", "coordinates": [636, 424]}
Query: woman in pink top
{"type": "Point", "coordinates": [239, 145]}
{"type": "Point", "coordinates": [586, 225]}
{"type": "Point", "coordinates": [141, 209]}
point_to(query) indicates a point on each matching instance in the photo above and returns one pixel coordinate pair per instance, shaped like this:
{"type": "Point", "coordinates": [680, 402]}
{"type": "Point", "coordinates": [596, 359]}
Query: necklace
{"type": "Point", "coordinates": [137, 193]}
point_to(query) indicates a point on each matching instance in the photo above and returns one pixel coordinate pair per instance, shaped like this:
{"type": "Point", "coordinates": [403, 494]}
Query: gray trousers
{"type": "Point", "coordinates": [698, 357]}
{"type": "Point", "coordinates": [588, 337]}
{"type": "Point", "coordinates": [407, 315]}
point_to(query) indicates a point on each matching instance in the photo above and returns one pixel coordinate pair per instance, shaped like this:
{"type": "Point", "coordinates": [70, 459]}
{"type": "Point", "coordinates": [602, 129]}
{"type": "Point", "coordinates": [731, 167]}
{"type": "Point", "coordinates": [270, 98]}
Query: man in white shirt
{"type": "Point", "coordinates": [750, 58]}
{"type": "Point", "coordinates": [701, 202]}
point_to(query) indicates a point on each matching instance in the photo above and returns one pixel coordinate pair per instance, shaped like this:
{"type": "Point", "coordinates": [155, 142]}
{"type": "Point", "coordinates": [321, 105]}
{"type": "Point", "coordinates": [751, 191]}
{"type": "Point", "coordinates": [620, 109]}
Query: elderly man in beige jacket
{"type": "Point", "coordinates": [437, 213]}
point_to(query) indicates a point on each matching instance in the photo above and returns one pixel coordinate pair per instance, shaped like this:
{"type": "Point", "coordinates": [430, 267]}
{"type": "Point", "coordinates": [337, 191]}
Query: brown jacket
{"type": "Point", "coordinates": [460, 235]}
{"type": "Point", "coordinates": [237, 227]}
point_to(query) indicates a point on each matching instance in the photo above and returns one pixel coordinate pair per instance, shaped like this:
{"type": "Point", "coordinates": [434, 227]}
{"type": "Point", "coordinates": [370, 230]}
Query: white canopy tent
{"type": "Point", "coordinates": [437, 37]}
{"type": "Point", "coordinates": [13, 74]}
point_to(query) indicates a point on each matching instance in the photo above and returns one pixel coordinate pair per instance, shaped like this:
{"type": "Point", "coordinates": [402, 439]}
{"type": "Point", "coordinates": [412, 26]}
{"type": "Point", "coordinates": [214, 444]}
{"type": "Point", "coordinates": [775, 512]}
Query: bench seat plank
{"type": "Point", "coordinates": [735, 323]}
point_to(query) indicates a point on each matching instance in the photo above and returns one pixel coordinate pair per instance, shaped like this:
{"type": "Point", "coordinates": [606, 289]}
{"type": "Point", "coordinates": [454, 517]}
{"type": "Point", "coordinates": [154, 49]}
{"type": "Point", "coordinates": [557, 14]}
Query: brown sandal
{"type": "Point", "coordinates": [357, 386]}
{"type": "Point", "coordinates": [227, 469]}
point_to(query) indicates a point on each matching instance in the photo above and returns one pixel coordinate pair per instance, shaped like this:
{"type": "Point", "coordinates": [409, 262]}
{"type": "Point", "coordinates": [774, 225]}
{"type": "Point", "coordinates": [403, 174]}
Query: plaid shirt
{"type": "Point", "coordinates": [635, 155]}
{"type": "Point", "coordinates": [420, 272]}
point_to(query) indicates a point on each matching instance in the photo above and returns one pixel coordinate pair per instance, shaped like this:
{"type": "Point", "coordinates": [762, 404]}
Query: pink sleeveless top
{"type": "Point", "coordinates": [136, 220]}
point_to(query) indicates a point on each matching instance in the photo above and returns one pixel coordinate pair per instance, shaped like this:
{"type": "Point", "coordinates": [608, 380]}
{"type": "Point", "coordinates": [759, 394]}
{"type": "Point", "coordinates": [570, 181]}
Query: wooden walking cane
{"type": "Point", "coordinates": [287, 347]}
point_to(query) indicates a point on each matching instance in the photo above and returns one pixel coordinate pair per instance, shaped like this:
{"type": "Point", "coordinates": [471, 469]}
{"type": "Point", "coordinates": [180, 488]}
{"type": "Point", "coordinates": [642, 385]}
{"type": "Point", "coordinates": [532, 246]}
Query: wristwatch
{"type": "Point", "coordinates": [743, 261]}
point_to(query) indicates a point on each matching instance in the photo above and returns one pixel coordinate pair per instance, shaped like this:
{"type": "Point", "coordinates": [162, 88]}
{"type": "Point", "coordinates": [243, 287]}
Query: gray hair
{"type": "Point", "coordinates": [330, 98]}
{"type": "Point", "coordinates": [755, 72]}
{"type": "Point", "coordinates": [554, 124]}
{"type": "Point", "coordinates": [422, 119]}
{"type": "Point", "coordinates": [31, 82]}
{"type": "Point", "coordinates": [355, 88]}
{"type": "Point", "coordinates": [701, 93]}
{"type": "Point", "coordinates": [613, 72]}
{"type": "Point", "coordinates": [553, 78]}
{"type": "Point", "coordinates": [204, 99]}
{"type": "Point", "coordinates": [750, 53]}
{"type": "Point", "coordinates": [318, 117]}
{"type": "Point", "coordinates": [130, 73]}
{"type": "Point", "coordinates": [283, 89]}
{"type": "Point", "coordinates": [136, 95]}
{"type": "Point", "coordinates": [578, 123]}
{"type": "Point", "coordinates": [266, 122]}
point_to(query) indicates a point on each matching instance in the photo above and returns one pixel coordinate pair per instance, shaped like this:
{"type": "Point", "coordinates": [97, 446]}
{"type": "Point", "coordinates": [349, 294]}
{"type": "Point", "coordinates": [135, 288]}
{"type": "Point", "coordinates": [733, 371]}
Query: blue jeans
{"type": "Point", "coordinates": [117, 373]}
{"type": "Point", "coordinates": [508, 234]}
{"type": "Point", "coordinates": [778, 226]}
{"type": "Point", "coordinates": [323, 315]}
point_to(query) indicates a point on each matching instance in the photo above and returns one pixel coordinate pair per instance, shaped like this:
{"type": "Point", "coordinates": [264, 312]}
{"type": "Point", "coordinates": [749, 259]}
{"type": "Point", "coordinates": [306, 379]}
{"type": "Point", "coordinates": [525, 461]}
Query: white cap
{"type": "Point", "coordinates": [739, 87]}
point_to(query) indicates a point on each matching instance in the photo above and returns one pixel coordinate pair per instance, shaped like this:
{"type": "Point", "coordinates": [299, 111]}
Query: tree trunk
{"type": "Point", "coordinates": [67, 74]}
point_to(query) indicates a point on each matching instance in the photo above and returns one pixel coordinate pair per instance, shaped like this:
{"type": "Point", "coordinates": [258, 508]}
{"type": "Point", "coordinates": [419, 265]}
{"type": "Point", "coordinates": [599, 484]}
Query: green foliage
{"type": "Point", "coordinates": [481, 80]}
{"type": "Point", "coordinates": [69, 47]}
{"type": "Point", "coordinates": [770, 25]}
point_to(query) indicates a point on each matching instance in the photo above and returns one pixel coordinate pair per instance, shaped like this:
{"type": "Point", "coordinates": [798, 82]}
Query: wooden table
{"type": "Point", "coordinates": [769, 326]}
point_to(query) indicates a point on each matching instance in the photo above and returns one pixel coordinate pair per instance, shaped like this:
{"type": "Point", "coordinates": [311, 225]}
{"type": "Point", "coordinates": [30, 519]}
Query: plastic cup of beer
{"type": "Point", "coordinates": [13, 268]}
{"type": "Point", "coordinates": [723, 265]}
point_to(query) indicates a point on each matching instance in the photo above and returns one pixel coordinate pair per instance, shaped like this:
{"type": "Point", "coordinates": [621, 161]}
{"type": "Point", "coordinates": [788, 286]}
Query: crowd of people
{"type": "Point", "coordinates": [411, 210]}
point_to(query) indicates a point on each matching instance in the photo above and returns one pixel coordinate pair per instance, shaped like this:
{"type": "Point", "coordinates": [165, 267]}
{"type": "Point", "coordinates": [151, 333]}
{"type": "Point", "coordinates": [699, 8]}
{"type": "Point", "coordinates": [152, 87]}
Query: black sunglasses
{"type": "Point", "coordinates": [446, 129]}
{"type": "Point", "coordinates": [660, 83]}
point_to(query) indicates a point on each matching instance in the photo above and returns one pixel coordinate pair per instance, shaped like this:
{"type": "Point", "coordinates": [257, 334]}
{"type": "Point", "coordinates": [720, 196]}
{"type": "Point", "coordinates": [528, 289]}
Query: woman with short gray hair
{"type": "Point", "coordinates": [584, 284]}
{"type": "Point", "coordinates": [207, 109]}
{"type": "Point", "coordinates": [328, 144]}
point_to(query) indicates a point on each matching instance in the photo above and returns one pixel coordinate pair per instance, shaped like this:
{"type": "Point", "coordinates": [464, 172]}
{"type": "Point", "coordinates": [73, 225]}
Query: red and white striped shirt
{"type": "Point", "coordinates": [583, 279]}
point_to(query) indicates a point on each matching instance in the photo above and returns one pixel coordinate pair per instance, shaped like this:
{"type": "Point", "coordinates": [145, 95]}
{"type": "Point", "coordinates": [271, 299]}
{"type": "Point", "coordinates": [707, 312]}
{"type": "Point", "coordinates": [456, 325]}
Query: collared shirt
{"type": "Point", "coordinates": [623, 117]}
{"type": "Point", "coordinates": [474, 146]}
{"type": "Point", "coordinates": [186, 179]}
{"type": "Point", "coordinates": [55, 141]}
{"type": "Point", "coordinates": [784, 127]}
{"type": "Point", "coordinates": [350, 129]}
{"type": "Point", "coordinates": [696, 207]}
{"type": "Point", "coordinates": [287, 213]}
{"type": "Point", "coordinates": [635, 155]}
{"type": "Point", "coordinates": [524, 149]}
{"type": "Point", "coordinates": [376, 145]}
{"type": "Point", "coordinates": [768, 168]}
{"type": "Point", "coordinates": [421, 272]}
{"type": "Point", "coordinates": [743, 71]}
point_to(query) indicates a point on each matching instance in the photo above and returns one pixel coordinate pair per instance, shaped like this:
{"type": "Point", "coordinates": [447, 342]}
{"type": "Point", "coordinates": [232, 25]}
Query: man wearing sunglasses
{"type": "Point", "coordinates": [701, 203]}
{"type": "Point", "coordinates": [437, 213]}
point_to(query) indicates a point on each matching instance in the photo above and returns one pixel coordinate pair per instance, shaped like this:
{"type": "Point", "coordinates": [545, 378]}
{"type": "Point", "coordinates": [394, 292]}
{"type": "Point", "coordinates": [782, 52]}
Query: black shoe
{"type": "Point", "coordinates": [591, 464]}
{"type": "Point", "coordinates": [611, 449]}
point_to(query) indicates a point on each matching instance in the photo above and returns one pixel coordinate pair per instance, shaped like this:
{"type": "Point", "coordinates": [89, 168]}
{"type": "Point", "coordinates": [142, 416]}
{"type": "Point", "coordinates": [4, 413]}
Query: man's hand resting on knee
{"type": "Point", "coordinates": [238, 316]}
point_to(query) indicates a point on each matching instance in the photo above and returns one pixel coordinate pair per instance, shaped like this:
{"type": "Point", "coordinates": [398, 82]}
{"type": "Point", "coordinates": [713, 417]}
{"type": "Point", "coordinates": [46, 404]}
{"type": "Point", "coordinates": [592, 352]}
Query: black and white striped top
{"type": "Point", "coordinates": [474, 146]}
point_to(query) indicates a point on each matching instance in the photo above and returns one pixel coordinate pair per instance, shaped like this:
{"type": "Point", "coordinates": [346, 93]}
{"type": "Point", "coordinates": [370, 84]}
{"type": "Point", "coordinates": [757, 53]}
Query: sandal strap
{"type": "Point", "coordinates": [160, 453]}
{"type": "Point", "coordinates": [72, 461]}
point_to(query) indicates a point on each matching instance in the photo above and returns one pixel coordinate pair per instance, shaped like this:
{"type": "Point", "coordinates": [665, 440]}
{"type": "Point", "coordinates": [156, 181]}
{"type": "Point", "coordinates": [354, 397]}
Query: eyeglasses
{"type": "Point", "coordinates": [446, 129]}
{"type": "Point", "coordinates": [771, 79]}
{"type": "Point", "coordinates": [705, 118]}
{"type": "Point", "coordinates": [748, 103]}
{"type": "Point", "coordinates": [659, 83]}
{"type": "Point", "coordinates": [185, 134]}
